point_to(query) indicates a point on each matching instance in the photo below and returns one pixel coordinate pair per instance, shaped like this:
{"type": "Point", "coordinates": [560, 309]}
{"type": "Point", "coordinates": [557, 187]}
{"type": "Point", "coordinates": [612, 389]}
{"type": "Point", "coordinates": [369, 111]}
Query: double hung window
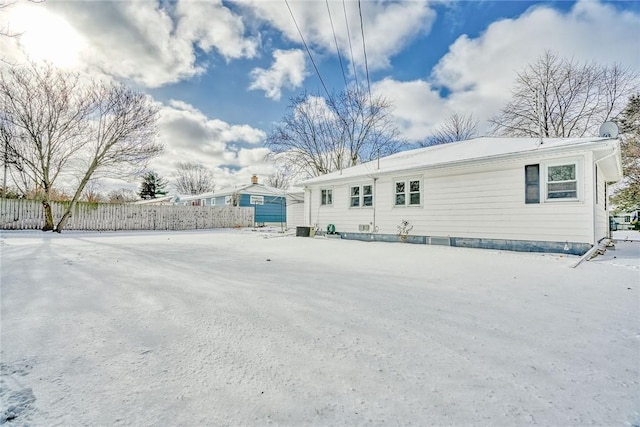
{"type": "Point", "coordinates": [361, 196]}
{"type": "Point", "coordinates": [326, 197]}
{"type": "Point", "coordinates": [407, 192]}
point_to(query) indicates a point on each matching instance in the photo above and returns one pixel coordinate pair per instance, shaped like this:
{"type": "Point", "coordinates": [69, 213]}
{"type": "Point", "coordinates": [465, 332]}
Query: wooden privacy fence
{"type": "Point", "coordinates": [28, 215]}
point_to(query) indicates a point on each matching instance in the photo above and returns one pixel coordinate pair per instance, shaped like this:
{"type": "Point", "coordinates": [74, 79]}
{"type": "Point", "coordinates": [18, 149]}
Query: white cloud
{"type": "Point", "coordinates": [288, 70]}
{"type": "Point", "coordinates": [388, 26]}
{"type": "Point", "coordinates": [191, 136]}
{"type": "Point", "coordinates": [210, 24]}
{"type": "Point", "coordinates": [137, 40]}
{"type": "Point", "coordinates": [478, 73]}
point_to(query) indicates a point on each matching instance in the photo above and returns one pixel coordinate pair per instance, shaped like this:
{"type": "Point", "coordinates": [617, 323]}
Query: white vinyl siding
{"type": "Point", "coordinates": [600, 208]}
{"type": "Point", "coordinates": [484, 201]}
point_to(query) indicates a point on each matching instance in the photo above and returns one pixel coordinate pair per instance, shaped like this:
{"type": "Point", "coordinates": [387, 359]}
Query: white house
{"type": "Point", "coordinates": [521, 194]}
{"type": "Point", "coordinates": [625, 220]}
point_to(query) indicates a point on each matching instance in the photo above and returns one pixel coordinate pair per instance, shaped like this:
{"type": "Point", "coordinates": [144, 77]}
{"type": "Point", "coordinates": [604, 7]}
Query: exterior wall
{"type": "Point", "coordinates": [479, 201]}
{"type": "Point", "coordinates": [295, 213]}
{"type": "Point", "coordinates": [273, 209]}
{"type": "Point", "coordinates": [601, 215]}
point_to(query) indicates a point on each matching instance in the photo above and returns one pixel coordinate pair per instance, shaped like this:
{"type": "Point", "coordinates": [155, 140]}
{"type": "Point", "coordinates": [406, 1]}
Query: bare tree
{"type": "Point", "coordinates": [121, 195]}
{"type": "Point", "coordinates": [557, 97]}
{"type": "Point", "coordinates": [627, 196]}
{"type": "Point", "coordinates": [456, 127]}
{"type": "Point", "coordinates": [319, 135]}
{"type": "Point", "coordinates": [193, 178]}
{"type": "Point", "coordinates": [92, 192]}
{"type": "Point", "coordinates": [48, 111]}
{"type": "Point", "coordinates": [281, 178]}
{"type": "Point", "coordinates": [65, 128]}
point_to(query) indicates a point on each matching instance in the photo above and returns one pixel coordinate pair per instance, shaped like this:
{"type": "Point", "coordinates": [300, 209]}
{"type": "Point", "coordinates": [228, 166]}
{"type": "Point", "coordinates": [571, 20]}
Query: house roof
{"type": "Point", "coordinates": [464, 152]}
{"type": "Point", "coordinates": [253, 189]}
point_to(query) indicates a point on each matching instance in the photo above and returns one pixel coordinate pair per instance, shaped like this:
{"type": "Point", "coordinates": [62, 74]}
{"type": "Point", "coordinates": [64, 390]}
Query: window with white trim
{"type": "Point", "coordinates": [326, 197]}
{"type": "Point", "coordinates": [361, 196]}
{"type": "Point", "coordinates": [213, 201]}
{"type": "Point", "coordinates": [227, 200]}
{"type": "Point", "coordinates": [407, 192]}
{"type": "Point", "coordinates": [562, 182]}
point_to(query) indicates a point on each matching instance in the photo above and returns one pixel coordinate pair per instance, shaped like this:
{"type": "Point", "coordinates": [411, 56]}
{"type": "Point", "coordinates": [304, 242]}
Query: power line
{"type": "Point", "coordinates": [307, 48]}
{"type": "Point", "coordinates": [364, 48]}
{"type": "Point", "coordinates": [353, 64]}
{"type": "Point", "coordinates": [335, 39]}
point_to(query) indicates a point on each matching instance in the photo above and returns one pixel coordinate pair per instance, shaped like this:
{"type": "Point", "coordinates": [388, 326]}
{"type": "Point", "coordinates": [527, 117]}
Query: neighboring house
{"type": "Point", "coordinates": [502, 193]}
{"type": "Point", "coordinates": [269, 203]}
{"type": "Point", "coordinates": [624, 220]}
{"type": "Point", "coordinates": [164, 200]}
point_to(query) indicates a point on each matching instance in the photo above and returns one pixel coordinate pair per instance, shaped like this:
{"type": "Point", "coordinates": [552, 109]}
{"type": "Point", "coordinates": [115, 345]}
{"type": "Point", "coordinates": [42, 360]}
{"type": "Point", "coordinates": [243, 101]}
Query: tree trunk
{"type": "Point", "coordinates": [65, 217]}
{"type": "Point", "coordinates": [48, 216]}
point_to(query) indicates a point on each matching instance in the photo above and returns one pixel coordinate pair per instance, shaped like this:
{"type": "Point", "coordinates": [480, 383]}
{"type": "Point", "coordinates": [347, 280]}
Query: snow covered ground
{"type": "Point", "coordinates": [233, 328]}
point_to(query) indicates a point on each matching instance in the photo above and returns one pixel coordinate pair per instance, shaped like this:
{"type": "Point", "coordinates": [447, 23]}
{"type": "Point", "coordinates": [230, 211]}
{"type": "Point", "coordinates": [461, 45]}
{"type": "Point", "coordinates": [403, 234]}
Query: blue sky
{"type": "Point", "coordinates": [223, 72]}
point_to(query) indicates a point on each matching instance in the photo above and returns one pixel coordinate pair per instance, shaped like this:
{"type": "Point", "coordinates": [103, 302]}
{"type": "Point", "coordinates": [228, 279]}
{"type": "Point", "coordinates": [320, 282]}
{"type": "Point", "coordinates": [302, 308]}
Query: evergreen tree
{"type": "Point", "coordinates": [627, 198]}
{"type": "Point", "coordinates": [152, 186]}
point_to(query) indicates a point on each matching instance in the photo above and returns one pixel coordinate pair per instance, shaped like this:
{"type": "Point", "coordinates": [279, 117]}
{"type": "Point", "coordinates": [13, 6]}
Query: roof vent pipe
{"type": "Point", "coordinates": [254, 179]}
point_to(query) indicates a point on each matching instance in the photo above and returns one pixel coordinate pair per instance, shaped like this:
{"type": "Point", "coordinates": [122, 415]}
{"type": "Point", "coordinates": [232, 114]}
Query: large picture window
{"type": "Point", "coordinates": [407, 192]}
{"type": "Point", "coordinates": [562, 182]}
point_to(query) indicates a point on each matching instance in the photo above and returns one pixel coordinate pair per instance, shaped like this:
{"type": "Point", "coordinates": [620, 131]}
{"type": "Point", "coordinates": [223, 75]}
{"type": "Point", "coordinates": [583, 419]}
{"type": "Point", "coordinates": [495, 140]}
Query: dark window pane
{"type": "Point", "coordinates": [414, 199]}
{"type": "Point", "coordinates": [355, 201]}
{"type": "Point", "coordinates": [367, 201]}
{"type": "Point", "coordinates": [414, 186]}
{"type": "Point", "coordinates": [366, 190]}
{"type": "Point", "coordinates": [400, 187]}
{"type": "Point", "coordinates": [355, 191]}
{"type": "Point", "coordinates": [532, 173]}
{"type": "Point", "coordinates": [399, 199]}
{"type": "Point", "coordinates": [532, 183]}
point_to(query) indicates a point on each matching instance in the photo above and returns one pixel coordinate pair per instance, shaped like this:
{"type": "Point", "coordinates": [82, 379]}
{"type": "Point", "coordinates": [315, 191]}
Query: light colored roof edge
{"type": "Point", "coordinates": [261, 190]}
{"type": "Point", "coordinates": [365, 168]}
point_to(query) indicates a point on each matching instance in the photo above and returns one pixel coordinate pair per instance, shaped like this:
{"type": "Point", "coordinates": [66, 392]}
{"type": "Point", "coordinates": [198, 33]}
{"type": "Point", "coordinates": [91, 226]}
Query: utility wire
{"type": "Point", "coordinates": [335, 39]}
{"type": "Point", "coordinates": [307, 48]}
{"type": "Point", "coordinates": [353, 64]}
{"type": "Point", "coordinates": [364, 48]}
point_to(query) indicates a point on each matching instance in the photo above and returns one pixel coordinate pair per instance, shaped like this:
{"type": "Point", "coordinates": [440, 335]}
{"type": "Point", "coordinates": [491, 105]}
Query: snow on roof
{"type": "Point", "coordinates": [255, 189]}
{"type": "Point", "coordinates": [476, 149]}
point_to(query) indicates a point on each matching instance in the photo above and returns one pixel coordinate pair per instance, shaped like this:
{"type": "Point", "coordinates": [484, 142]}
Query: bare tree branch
{"type": "Point", "coordinates": [318, 136]}
{"type": "Point", "coordinates": [193, 178]}
{"type": "Point", "coordinates": [456, 127]}
{"type": "Point", "coordinates": [557, 97]}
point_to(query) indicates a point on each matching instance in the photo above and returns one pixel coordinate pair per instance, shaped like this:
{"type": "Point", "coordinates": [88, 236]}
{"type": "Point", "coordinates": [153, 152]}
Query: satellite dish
{"type": "Point", "coordinates": [608, 130]}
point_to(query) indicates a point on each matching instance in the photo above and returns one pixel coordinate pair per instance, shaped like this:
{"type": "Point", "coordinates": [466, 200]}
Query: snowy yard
{"type": "Point", "coordinates": [232, 328]}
